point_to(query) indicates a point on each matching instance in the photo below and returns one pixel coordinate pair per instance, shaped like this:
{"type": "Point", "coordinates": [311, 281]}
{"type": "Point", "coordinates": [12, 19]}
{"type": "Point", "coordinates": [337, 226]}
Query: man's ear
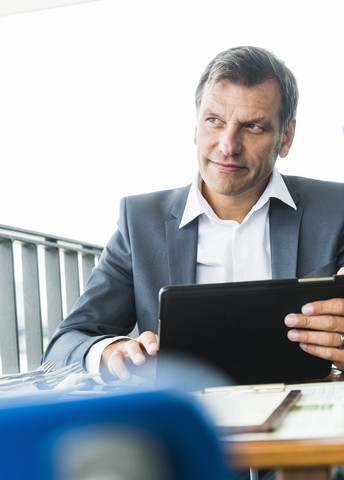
{"type": "Point", "coordinates": [195, 136]}
{"type": "Point", "coordinates": [287, 139]}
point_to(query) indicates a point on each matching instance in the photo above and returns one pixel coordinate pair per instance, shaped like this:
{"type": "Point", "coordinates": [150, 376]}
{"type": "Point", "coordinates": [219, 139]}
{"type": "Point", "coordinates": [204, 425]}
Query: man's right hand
{"type": "Point", "coordinates": [119, 356]}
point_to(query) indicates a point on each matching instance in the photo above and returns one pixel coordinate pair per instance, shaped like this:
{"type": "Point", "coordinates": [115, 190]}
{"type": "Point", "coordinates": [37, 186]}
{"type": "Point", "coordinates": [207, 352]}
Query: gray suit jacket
{"type": "Point", "coordinates": [149, 251]}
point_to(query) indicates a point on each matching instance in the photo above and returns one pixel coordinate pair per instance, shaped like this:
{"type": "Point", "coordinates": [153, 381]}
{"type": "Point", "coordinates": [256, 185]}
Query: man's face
{"type": "Point", "coordinates": [238, 137]}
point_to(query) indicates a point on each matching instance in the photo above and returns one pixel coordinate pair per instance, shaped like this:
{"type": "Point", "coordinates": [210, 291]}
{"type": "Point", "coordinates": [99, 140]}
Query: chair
{"type": "Point", "coordinates": [147, 435]}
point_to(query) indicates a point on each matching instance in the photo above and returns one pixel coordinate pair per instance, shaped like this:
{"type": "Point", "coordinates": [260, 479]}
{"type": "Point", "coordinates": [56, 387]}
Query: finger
{"type": "Point", "coordinates": [328, 353]}
{"type": "Point", "coordinates": [339, 365]}
{"type": "Point", "coordinates": [116, 364]}
{"type": "Point", "coordinates": [334, 306]}
{"type": "Point", "coordinates": [340, 271]}
{"type": "Point", "coordinates": [149, 341]}
{"type": "Point", "coordinates": [326, 339]}
{"type": "Point", "coordinates": [137, 348]}
{"type": "Point", "coordinates": [136, 351]}
{"type": "Point", "coordinates": [328, 323]}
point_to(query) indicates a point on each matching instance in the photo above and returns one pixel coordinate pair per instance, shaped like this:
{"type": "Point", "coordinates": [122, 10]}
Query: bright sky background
{"type": "Point", "coordinates": [97, 100]}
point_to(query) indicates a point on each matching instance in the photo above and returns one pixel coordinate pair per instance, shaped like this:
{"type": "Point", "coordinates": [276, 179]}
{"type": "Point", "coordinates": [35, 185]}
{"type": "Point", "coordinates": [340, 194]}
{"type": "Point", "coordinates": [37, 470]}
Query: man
{"type": "Point", "coordinates": [240, 220]}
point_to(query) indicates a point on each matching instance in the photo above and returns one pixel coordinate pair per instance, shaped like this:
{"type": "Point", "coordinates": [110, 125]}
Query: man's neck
{"type": "Point", "coordinates": [230, 207]}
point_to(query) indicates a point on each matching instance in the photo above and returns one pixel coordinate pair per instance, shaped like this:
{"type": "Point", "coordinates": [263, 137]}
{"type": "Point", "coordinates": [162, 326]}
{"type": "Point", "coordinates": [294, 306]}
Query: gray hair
{"type": "Point", "coordinates": [250, 66]}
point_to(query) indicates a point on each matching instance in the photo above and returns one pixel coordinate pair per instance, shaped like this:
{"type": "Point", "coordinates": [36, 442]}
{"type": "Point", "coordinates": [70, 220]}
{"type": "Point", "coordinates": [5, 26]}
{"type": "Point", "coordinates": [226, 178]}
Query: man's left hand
{"type": "Point", "coordinates": [324, 324]}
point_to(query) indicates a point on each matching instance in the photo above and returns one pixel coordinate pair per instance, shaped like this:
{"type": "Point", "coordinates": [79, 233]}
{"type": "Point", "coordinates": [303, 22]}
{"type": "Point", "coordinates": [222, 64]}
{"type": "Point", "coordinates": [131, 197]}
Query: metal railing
{"type": "Point", "coordinates": [41, 277]}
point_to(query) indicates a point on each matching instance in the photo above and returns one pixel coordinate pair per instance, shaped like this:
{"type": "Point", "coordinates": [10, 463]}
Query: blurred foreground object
{"type": "Point", "coordinates": [151, 435]}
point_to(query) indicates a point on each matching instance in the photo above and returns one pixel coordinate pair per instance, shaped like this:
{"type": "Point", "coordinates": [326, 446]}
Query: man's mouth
{"type": "Point", "coordinates": [228, 167]}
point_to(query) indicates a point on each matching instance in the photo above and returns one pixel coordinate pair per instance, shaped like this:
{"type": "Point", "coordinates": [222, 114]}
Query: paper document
{"type": "Point", "coordinates": [248, 409]}
{"type": "Point", "coordinates": [318, 413]}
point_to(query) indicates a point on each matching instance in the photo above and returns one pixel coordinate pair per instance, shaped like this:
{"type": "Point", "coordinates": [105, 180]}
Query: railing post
{"type": "Point", "coordinates": [53, 288]}
{"type": "Point", "coordinates": [71, 270]}
{"type": "Point", "coordinates": [87, 263]}
{"type": "Point", "coordinates": [9, 348]}
{"type": "Point", "coordinates": [32, 306]}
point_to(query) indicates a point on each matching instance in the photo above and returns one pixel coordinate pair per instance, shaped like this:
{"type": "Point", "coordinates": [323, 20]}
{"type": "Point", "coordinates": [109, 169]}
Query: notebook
{"type": "Point", "coordinates": [238, 328]}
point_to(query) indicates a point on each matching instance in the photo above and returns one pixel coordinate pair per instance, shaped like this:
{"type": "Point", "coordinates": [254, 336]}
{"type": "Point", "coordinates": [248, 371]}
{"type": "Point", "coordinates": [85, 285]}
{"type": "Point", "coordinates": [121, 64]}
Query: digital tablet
{"type": "Point", "coordinates": [239, 327]}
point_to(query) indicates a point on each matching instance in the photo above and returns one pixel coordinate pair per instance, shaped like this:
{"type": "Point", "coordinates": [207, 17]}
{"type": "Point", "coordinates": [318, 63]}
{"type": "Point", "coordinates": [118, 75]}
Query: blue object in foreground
{"type": "Point", "coordinates": [155, 435]}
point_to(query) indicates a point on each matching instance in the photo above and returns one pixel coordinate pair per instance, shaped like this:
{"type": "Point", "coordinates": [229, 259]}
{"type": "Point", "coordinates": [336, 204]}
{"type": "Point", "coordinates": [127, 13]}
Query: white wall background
{"type": "Point", "coordinates": [96, 100]}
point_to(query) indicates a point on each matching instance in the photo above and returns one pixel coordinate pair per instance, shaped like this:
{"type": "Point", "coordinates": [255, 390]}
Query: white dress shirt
{"type": "Point", "coordinates": [227, 251]}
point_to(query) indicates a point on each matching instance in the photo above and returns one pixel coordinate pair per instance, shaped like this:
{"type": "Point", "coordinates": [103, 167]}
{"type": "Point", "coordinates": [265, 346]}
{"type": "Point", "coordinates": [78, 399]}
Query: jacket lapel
{"type": "Point", "coordinates": [284, 235]}
{"type": "Point", "coordinates": [181, 245]}
{"type": "Point", "coordinates": [181, 251]}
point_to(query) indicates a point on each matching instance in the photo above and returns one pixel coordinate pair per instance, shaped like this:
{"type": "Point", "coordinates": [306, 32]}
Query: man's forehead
{"type": "Point", "coordinates": [265, 95]}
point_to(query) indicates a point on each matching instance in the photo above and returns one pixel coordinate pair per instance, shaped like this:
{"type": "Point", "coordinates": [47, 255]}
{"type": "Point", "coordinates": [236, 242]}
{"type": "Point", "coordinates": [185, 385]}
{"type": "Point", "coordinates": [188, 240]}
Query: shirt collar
{"type": "Point", "coordinates": [197, 205]}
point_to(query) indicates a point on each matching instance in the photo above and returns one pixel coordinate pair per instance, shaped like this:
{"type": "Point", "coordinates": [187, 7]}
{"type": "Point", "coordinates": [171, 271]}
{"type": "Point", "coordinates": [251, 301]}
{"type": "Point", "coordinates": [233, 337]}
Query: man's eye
{"type": "Point", "coordinates": [254, 127]}
{"type": "Point", "coordinates": [214, 120]}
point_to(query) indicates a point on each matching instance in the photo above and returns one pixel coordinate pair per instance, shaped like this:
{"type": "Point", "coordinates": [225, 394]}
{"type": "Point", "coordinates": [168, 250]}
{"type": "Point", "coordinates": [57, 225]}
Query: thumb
{"type": "Point", "coordinates": [341, 271]}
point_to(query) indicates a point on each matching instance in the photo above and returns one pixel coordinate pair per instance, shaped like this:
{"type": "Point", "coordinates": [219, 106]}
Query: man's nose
{"type": "Point", "coordinates": [229, 142]}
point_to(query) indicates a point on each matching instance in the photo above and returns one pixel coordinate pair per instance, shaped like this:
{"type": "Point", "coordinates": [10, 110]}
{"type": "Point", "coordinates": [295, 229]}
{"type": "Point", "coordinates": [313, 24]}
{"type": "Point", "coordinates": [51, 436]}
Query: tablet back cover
{"type": "Point", "coordinates": [239, 327]}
